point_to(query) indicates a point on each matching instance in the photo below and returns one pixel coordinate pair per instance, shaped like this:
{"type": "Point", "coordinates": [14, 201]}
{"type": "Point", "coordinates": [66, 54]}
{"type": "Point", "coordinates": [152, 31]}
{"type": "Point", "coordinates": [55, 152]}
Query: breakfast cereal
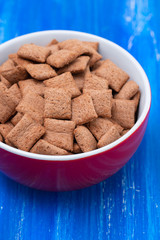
{"type": "Point", "coordinates": [83, 110]}
{"type": "Point", "coordinates": [64, 98]}
{"type": "Point", "coordinates": [85, 139]}
{"type": "Point", "coordinates": [32, 104]}
{"type": "Point", "coordinates": [59, 133]}
{"type": "Point", "coordinates": [34, 52]}
{"type": "Point", "coordinates": [64, 81]}
{"type": "Point", "coordinates": [15, 74]}
{"type": "Point", "coordinates": [40, 71]}
{"type": "Point", "coordinates": [57, 103]}
{"type": "Point", "coordinates": [43, 147]}
{"type": "Point", "coordinates": [110, 136]}
{"type": "Point", "coordinates": [116, 76]}
{"type": "Point", "coordinates": [26, 132]}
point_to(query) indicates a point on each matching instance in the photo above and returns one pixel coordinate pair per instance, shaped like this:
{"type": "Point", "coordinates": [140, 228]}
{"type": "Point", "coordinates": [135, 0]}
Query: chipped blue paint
{"type": "Point", "coordinates": [127, 205]}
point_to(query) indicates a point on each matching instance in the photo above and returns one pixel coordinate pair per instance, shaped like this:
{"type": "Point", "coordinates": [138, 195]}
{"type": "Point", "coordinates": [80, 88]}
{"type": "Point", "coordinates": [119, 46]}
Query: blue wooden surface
{"type": "Point", "coordinates": [127, 205]}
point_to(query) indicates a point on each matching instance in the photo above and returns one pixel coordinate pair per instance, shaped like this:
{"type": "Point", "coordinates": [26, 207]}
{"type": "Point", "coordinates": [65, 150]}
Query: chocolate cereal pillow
{"type": "Point", "coordinates": [64, 99]}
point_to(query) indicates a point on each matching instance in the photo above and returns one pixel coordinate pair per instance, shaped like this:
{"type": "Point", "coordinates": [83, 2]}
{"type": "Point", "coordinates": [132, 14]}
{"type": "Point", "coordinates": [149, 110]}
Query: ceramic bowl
{"type": "Point", "coordinates": [63, 173]}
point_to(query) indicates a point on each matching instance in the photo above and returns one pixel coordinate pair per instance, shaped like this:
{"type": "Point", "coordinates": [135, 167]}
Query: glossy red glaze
{"type": "Point", "coordinates": [70, 174]}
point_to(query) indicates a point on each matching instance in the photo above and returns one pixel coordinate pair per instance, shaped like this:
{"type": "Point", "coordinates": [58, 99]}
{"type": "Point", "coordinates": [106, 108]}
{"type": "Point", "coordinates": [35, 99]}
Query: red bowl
{"type": "Point", "coordinates": [63, 173]}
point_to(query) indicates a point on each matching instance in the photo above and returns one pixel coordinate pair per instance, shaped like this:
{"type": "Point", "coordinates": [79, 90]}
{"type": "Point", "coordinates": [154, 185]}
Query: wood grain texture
{"type": "Point", "coordinates": [127, 205]}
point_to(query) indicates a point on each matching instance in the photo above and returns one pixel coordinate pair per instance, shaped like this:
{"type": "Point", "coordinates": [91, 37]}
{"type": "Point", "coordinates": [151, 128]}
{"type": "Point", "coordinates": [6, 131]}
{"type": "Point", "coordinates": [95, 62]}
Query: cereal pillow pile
{"type": "Point", "coordinates": [64, 99]}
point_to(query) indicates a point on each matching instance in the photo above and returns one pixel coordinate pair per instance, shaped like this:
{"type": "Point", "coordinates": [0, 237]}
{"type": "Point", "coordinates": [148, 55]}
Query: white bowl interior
{"type": "Point", "coordinates": [109, 50]}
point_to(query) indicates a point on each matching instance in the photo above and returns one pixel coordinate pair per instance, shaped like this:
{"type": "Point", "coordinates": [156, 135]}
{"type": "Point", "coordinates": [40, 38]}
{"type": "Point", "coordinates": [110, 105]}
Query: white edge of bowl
{"type": "Point", "coordinates": [100, 150]}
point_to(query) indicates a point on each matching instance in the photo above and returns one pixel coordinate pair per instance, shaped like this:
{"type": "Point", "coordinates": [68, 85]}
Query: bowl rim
{"type": "Point", "coordinates": [100, 150]}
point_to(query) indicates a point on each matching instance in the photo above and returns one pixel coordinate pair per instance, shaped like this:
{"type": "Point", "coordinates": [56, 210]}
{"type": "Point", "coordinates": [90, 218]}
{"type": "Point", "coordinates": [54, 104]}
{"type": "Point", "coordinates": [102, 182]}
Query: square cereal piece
{"type": "Point", "coordinates": [59, 133]}
{"type": "Point", "coordinates": [15, 91]}
{"type": "Point", "coordinates": [45, 148]}
{"type": "Point", "coordinates": [110, 136]}
{"type": "Point", "coordinates": [18, 60]}
{"type": "Point", "coordinates": [15, 74]}
{"type": "Point", "coordinates": [102, 101]}
{"type": "Point", "coordinates": [65, 81]}
{"type": "Point", "coordinates": [26, 133]}
{"type": "Point", "coordinates": [41, 71]}
{"type": "Point", "coordinates": [59, 126]}
{"type": "Point", "coordinates": [99, 127]}
{"type": "Point", "coordinates": [31, 85]}
{"type": "Point", "coordinates": [92, 81]}
{"type": "Point", "coordinates": [128, 90]}
{"type": "Point", "coordinates": [32, 104]}
{"type": "Point", "coordinates": [7, 65]}
{"type": "Point", "coordinates": [7, 103]}
{"type": "Point", "coordinates": [76, 148]}
{"type": "Point", "coordinates": [5, 82]}
{"type": "Point", "coordinates": [1, 138]}
{"type": "Point", "coordinates": [61, 58]}
{"type": "Point", "coordinates": [123, 112]}
{"type": "Point", "coordinates": [75, 45]}
{"type": "Point", "coordinates": [77, 66]}
{"type": "Point", "coordinates": [57, 103]}
{"type": "Point", "coordinates": [85, 139]}
{"type": "Point", "coordinates": [83, 110]}
{"type": "Point", "coordinates": [33, 52]}
{"type": "Point", "coordinates": [70, 44]}
{"type": "Point", "coordinates": [16, 118]}
{"type": "Point", "coordinates": [5, 129]}
{"type": "Point", "coordinates": [115, 75]}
